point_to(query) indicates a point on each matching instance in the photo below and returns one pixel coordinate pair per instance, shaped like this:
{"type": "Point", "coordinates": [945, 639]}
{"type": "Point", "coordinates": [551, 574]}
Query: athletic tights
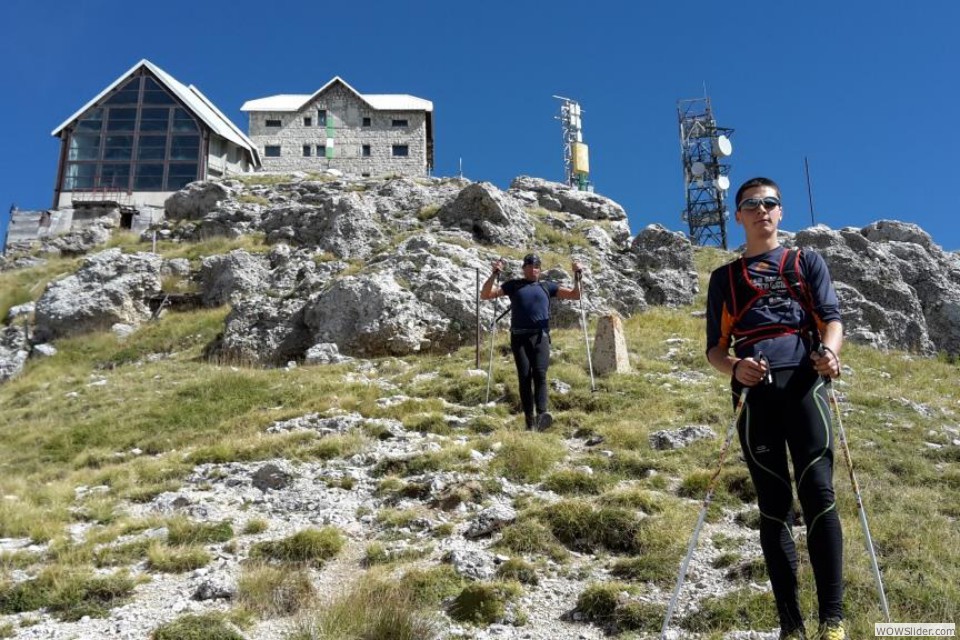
{"type": "Point", "coordinates": [531, 352]}
{"type": "Point", "coordinates": [792, 413]}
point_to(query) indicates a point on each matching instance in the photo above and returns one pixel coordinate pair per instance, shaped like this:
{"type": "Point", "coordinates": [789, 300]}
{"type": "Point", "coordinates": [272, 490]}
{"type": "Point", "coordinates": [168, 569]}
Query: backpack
{"type": "Point", "coordinates": [742, 295]}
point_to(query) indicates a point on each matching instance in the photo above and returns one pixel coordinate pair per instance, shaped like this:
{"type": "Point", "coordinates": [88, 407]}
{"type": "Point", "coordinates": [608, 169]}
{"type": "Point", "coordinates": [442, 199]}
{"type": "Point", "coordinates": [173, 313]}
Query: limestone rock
{"type": "Point", "coordinates": [109, 287]}
{"type": "Point", "coordinates": [610, 347]}
{"type": "Point", "coordinates": [489, 215]}
{"type": "Point", "coordinates": [195, 200]}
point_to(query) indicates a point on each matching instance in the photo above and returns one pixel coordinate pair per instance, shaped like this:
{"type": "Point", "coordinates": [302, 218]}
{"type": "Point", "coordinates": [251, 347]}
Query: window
{"type": "Point", "coordinates": [136, 138]}
{"type": "Point", "coordinates": [401, 151]}
{"type": "Point", "coordinates": [272, 151]}
{"type": "Point", "coordinates": [398, 122]}
{"type": "Point", "coordinates": [307, 122]}
{"type": "Point", "coordinates": [364, 175]}
{"type": "Point", "coordinates": [365, 151]}
{"type": "Point", "coordinates": [274, 123]}
{"type": "Point", "coordinates": [306, 151]}
{"type": "Point", "coordinates": [321, 151]}
{"type": "Point", "coordinates": [367, 122]}
{"type": "Point", "coordinates": [321, 117]}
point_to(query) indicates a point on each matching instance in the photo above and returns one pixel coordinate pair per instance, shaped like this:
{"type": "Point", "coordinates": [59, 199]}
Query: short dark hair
{"type": "Point", "coordinates": [759, 181]}
{"type": "Point", "coordinates": [531, 258]}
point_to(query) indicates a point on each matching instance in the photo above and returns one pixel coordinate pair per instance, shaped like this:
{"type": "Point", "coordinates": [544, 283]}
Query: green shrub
{"type": "Point", "coordinates": [531, 537]}
{"type": "Point", "coordinates": [176, 559]}
{"type": "Point", "coordinates": [519, 570]}
{"type": "Point", "coordinates": [599, 601]}
{"type": "Point", "coordinates": [526, 456]}
{"type": "Point", "coordinates": [571, 482]}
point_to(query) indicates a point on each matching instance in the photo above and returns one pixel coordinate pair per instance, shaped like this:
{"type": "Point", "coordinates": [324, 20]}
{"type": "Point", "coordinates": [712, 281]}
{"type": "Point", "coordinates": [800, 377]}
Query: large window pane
{"type": "Point", "coordinates": [118, 148]}
{"type": "Point", "coordinates": [114, 175]}
{"type": "Point", "coordinates": [91, 121]}
{"type": "Point", "coordinates": [180, 175]}
{"type": "Point", "coordinates": [84, 147]}
{"type": "Point", "coordinates": [128, 95]}
{"type": "Point", "coordinates": [185, 148]}
{"type": "Point", "coordinates": [182, 121]}
{"type": "Point", "coordinates": [154, 119]}
{"type": "Point", "coordinates": [149, 177]}
{"type": "Point", "coordinates": [79, 176]}
{"type": "Point", "coordinates": [121, 119]}
{"type": "Point", "coordinates": [152, 148]}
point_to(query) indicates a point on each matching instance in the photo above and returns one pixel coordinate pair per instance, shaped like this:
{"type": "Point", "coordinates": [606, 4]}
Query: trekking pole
{"type": "Point", "coordinates": [586, 339]}
{"type": "Point", "coordinates": [832, 393]}
{"type": "Point", "coordinates": [493, 330]}
{"type": "Point", "coordinates": [703, 512]}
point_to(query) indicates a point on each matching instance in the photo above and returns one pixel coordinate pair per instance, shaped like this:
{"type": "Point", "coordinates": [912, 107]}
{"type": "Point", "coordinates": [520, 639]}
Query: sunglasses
{"type": "Point", "coordinates": [752, 204]}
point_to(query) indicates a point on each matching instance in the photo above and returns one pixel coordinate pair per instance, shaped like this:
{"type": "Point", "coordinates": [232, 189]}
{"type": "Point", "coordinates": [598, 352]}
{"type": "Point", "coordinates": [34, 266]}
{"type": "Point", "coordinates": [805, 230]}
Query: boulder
{"type": "Point", "coordinates": [110, 287]}
{"type": "Point", "coordinates": [343, 224]}
{"type": "Point", "coordinates": [196, 200]}
{"type": "Point", "coordinates": [489, 215]}
{"type": "Point", "coordinates": [223, 276]}
{"type": "Point", "coordinates": [13, 352]}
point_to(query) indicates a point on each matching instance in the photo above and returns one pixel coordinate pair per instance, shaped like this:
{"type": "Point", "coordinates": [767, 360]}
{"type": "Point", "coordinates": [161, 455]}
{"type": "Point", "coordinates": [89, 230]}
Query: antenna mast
{"type": "Point", "coordinates": [704, 148]}
{"type": "Point", "coordinates": [576, 160]}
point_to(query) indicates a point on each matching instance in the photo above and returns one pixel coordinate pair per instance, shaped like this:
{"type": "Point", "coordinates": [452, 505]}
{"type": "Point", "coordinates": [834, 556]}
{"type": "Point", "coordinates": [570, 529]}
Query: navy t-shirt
{"type": "Point", "coordinates": [774, 307]}
{"type": "Point", "coordinates": [530, 303]}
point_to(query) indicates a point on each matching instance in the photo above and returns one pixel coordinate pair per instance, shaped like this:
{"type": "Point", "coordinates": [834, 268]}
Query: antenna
{"type": "Point", "coordinates": [704, 148]}
{"type": "Point", "coordinates": [576, 160]}
{"type": "Point", "coordinates": [806, 166]}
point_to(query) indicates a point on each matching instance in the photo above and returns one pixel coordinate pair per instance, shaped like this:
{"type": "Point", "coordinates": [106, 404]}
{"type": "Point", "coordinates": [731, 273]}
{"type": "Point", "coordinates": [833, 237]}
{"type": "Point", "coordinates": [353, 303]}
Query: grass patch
{"type": "Point", "coordinates": [68, 594]}
{"type": "Point", "coordinates": [374, 608]}
{"type": "Point", "coordinates": [274, 591]}
{"type": "Point", "coordinates": [518, 570]}
{"type": "Point", "coordinates": [312, 547]}
{"type": "Point", "coordinates": [576, 482]}
{"type": "Point", "coordinates": [484, 603]}
{"type": "Point", "coordinates": [255, 526]}
{"type": "Point", "coordinates": [530, 537]}
{"type": "Point", "coordinates": [176, 559]}
{"type": "Point", "coordinates": [181, 531]}
{"type": "Point", "coordinates": [526, 456]}
{"type": "Point", "coordinates": [207, 626]}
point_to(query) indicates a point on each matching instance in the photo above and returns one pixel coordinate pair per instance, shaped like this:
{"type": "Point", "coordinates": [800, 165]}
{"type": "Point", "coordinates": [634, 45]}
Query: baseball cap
{"type": "Point", "coordinates": [531, 258]}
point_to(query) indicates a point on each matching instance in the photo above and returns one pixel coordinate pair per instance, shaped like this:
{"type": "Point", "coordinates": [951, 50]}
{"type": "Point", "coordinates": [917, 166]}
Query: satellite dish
{"type": "Point", "coordinates": [722, 146]}
{"type": "Point", "coordinates": [698, 168]}
{"type": "Point", "coordinates": [722, 183]}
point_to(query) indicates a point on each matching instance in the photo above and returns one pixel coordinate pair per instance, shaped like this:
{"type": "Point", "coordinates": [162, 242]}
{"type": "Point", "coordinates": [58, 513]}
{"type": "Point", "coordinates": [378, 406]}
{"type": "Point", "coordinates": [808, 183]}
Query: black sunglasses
{"type": "Point", "coordinates": [752, 204]}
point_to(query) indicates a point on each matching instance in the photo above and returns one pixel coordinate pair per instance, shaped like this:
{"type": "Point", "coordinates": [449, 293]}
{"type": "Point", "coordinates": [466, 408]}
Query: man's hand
{"type": "Point", "coordinates": [497, 266]}
{"type": "Point", "coordinates": [826, 363]}
{"type": "Point", "coordinates": [577, 268]}
{"type": "Point", "coordinates": [749, 372]}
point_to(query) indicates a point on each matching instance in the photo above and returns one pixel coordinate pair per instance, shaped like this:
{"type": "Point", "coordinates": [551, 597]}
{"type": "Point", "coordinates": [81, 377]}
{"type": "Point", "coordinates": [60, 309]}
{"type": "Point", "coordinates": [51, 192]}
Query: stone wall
{"type": "Point", "coordinates": [344, 125]}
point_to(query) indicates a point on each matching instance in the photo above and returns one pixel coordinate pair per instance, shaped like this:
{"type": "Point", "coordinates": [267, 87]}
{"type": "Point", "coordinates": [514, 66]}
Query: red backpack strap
{"type": "Point", "coordinates": [791, 271]}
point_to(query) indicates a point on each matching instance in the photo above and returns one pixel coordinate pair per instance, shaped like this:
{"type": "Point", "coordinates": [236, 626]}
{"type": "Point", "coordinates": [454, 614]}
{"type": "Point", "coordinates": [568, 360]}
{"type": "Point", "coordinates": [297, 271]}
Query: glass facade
{"type": "Point", "coordinates": [137, 139]}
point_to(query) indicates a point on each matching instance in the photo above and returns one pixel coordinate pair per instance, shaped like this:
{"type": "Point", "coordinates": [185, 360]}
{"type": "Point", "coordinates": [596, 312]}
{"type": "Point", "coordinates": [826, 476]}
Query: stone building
{"type": "Point", "coordinates": [142, 138]}
{"type": "Point", "coordinates": [337, 127]}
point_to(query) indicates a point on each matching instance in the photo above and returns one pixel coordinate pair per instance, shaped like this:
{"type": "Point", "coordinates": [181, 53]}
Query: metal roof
{"type": "Point", "coordinates": [378, 102]}
{"type": "Point", "coordinates": [192, 98]}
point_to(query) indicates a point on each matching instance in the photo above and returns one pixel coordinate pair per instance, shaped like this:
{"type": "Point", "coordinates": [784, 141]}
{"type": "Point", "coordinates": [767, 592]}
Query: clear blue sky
{"type": "Point", "coordinates": [868, 91]}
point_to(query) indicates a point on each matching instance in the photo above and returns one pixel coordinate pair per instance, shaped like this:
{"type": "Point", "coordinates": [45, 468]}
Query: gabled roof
{"type": "Point", "coordinates": [377, 102]}
{"type": "Point", "coordinates": [191, 97]}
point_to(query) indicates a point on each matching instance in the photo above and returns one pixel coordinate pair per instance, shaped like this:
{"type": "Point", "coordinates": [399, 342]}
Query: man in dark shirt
{"type": "Point", "coordinates": [777, 311]}
{"type": "Point", "coordinates": [530, 330]}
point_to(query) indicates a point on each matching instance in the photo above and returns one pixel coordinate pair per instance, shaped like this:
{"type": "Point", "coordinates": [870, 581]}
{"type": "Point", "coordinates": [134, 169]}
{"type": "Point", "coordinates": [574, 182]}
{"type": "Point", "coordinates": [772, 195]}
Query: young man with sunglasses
{"type": "Point", "coordinates": [530, 330]}
{"type": "Point", "coordinates": [782, 304]}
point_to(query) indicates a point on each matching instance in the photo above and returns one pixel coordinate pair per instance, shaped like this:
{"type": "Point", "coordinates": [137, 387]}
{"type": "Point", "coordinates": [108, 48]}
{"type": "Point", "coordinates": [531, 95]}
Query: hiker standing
{"type": "Point", "coordinates": [778, 311]}
{"type": "Point", "coordinates": [530, 330]}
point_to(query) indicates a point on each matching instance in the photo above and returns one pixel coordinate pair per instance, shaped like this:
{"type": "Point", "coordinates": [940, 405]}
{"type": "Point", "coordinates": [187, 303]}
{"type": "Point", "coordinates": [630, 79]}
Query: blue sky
{"type": "Point", "coordinates": [867, 91]}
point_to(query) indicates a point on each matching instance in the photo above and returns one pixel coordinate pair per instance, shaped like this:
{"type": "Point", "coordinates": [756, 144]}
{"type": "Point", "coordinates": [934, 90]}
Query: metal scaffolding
{"type": "Point", "coordinates": [576, 164]}
{"type": "Point", "coordinates": [703, 147]}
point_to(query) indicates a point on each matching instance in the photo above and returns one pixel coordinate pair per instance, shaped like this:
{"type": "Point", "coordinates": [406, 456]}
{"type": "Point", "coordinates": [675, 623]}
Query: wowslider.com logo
{"type": "Point", "coordinates": [914, 629]}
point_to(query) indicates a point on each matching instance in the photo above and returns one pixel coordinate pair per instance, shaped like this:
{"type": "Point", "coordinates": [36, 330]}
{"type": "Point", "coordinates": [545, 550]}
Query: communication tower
{"type": "Point", "coordinates": [704, 148]}
{"type": "Point", "coordinates": [576, 159]}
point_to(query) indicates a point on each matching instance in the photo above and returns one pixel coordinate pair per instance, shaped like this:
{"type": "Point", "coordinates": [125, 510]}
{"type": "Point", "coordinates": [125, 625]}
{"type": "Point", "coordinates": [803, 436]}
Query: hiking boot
{"type": "Point", "coordinates": [832, 630]}
{"type": "Point", "coordinates": [795, 634]}
{"type": "Point", "coordinates": [531, 423]}
{"type": "Point", "coordinates": [544, 420]}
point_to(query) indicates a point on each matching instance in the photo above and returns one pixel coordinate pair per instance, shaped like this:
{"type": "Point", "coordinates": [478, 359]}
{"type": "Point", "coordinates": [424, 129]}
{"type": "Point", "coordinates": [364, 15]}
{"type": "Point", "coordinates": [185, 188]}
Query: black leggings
{"type": "Point", "coordinates": [793, 413]}
{"type": "Point", "coordinates": [531, 352]}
